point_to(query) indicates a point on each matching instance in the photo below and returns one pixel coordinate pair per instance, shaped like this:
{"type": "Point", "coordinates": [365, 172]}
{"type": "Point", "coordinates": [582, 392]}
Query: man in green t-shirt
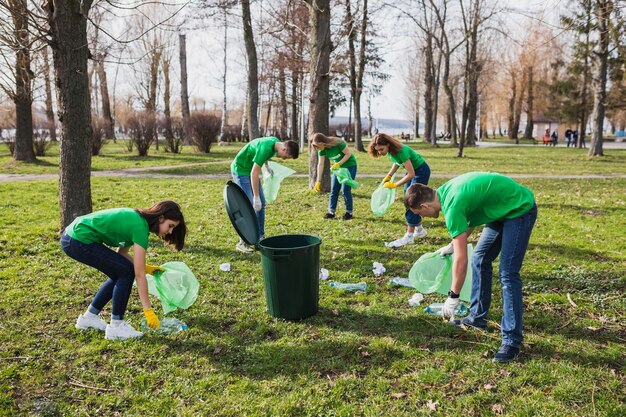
{"type": "Point", "coordinates": [508, 211]}
{"type": "Point", "coordinates": [246, 170]}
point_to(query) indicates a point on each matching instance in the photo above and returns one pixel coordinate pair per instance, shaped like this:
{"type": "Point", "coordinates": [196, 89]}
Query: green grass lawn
{"type": "Point", "coordinates": [510, 160]}
{"type": "Point", "coordinates": [364, 354]}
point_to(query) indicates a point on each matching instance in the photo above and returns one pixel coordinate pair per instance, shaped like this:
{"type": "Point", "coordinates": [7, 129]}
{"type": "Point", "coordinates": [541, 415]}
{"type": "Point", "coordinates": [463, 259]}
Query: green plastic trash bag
{"type": "Point", "coordinates": [433, 273]}
{"type": "Point", "coordinates": [271, 182]}
{"type": "Point", "coordinates": [176, 287]}
{"type": "Point", "coordinates": [382, 199]}
{"type": "Point", "coordinates": [344, 177]}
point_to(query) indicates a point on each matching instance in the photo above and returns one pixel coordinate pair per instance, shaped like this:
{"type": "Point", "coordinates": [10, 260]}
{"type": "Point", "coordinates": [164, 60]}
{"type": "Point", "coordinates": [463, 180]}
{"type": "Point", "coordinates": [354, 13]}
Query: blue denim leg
{"type": "Point", "coordinates": [335, 187]}
{"type": "Point", "coordinates": [515, 237]}
{"type": "Point", "coordinates": [119, 269]}
{"type": "Point", "coordinates": [246, 185]}
{"type": "Point", "coordinates": [422, 176]}
{"type": "Point", "coordinates": [347, 190]}
{"type": "Point", "coordinates": [486, 252]}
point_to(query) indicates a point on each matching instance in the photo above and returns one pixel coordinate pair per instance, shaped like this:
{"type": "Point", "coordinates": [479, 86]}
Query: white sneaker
{"type": "Point", "coordinates": [419, 232]}
{"type": "Point", "coordinates": [121, 331]}
{"type": "Point", "coordinates": [407, 239]}
{"type": "Point", "coordinates": [84, 322]}
{"type": "Point", "coordinates": [244, 247]}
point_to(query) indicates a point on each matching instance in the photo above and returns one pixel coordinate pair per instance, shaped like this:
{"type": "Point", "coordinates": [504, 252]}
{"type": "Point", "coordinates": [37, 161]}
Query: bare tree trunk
{"type": "Point", "coordinates": [253, 77]}
{"type": "Point", "coordinates": [67, 20]}
{"type": "Point", "coordinates": [49, 110]}
{"type": "Point", "coordinates": [23, 97]}
{"type": "Point", "coordinates": [370, 120]}
{"type": "Point", "coordinates": [512, 100]}
{"type": "Point", "coordinates": [152, 94]}
{"type": "Point", "coordinates": [601, 56]}
{"type": "Point", "coordinates": [417, 113]}
{"type": "Point", "coordinates": [518, 108]}
{"type": "Point", "coordinates": [184, 94]}
{"type": "Point", "coordinates": [358, 142]}
{"type": "Point", "coordinates": [224, 101]}
{"type": "Point", "coordinates": [294, 105]}
{"type": "Point", "coordinates": [528, 132]}
{"type": "Point", "coordinates": [320, 45]}
{"type": "Point", "coordinates": [169, 131]}
{"type": "Point", "coordinates": [283, 103]}
{"type": "Point", "coordinates": [584, 88]}
{"type": "Point", "coordinates": [109, 129]}
{"type": "Point", "coordinates": [428, 90]}
{"type": "Point", "coordinates": [350, 29]}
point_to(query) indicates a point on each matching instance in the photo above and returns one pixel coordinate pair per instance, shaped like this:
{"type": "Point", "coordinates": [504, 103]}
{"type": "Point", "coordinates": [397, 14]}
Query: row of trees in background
{"type": "Point", "coordinates": [326, 52]}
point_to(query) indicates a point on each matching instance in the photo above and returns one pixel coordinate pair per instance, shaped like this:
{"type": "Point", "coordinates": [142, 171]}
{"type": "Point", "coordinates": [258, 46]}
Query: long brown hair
{"type": "Point", "coordinates": [170, 210]}
{"type": "Point", "coordinates": [324, 141]}
{"type": "Point", "coordinates": [395, 145]}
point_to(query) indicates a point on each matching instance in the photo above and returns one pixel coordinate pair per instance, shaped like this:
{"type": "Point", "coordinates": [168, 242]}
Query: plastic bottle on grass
{"type": "Point", "coordinates": [169, 325]}
{"type": "Point", "coordinates": [361, 286]}
{"type": "Point", "coordinates": [435, 309]}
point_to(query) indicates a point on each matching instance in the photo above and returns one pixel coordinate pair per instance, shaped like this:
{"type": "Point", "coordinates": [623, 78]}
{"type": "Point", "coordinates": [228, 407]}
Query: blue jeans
{"type": "Point", "coordinates": [422, 175]}
{"type": "Point", "coordinates": [246, 185]}
{"type": "Point", "coordinates": [509, 238]}
{"type": "Point", "coordinates": [118, 268]}
{"type": "Point", "coordinates": [346, 190]}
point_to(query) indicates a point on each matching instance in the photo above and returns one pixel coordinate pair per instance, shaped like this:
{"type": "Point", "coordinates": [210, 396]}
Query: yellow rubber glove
{"type": "Point", "coordinates": [317, 187]}
{"type": "Point", "coordinates": [151, 269]}
{"type": "Point", "coordinates": [390, 184]}
{"type": "Point", "coordinates": [387, 178]}
{"type": "Point", "coordinates": [151, 319]}
{"type": "Point", "coordinates": [336, 166]}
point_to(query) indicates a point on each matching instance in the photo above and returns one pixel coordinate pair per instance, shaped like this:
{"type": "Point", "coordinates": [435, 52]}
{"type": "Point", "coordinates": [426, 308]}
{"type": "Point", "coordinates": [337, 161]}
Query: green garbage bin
{"type": "Point", "coordinates": [290, 263]}
{"type": "Point", "coordinates": [291, 266]}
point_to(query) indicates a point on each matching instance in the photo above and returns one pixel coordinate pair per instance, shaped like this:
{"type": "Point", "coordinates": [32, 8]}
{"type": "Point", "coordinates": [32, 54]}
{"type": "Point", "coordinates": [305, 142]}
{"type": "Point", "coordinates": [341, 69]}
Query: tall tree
{"type": "Point", "coordinates": [15, 49]}
{"type": "Point", "coordinates": [253, 72]}
{"type": "Point", "coordinates": [184, 94]}
{"type": "Point", "coordinates": [48, 87]}
{"type": "Point", "coordinates": [528, 132]}
{"type": "Point", "coordinates": [604, 9]}
{"type": "Point", "coordinates": [67, 20]}
{"type": "Point", "coordinates": [320, 46]}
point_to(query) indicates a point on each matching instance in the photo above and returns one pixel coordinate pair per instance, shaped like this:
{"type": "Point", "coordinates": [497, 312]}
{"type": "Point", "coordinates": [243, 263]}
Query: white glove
{"type": "Point", "coordinates": [257, 204]}
{"type": "Point", "coordinates": [446, 250]}
{"type": "Point", "coordinates": [449, 307]}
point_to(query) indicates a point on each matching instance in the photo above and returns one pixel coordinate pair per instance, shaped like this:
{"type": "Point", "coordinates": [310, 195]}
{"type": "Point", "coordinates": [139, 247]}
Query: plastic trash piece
{"type": "Point", "coordinates": [416, 299]}
{"type": "Point", "coordinates": [324, 274]}
{"type": "Point", "coordinates": [271, 182]}
{"type": "Point", "coordinates": [435, 309]}
{"type": "Point", "coordinates": [176, 287]}
{"type": "Point", "coordinates": [379, 269]}
{"type": "Point", "coordinates": [344, 177]}
{"type": "Point", "coordinates": [400, 282]}
{"type": "Point", "coordinates": [169, 325]}
{"type": "Point", "coordinates": [382, 199]}
{"type": "Point", "coordinates": [361, 286]}
{"type": "Point", "coordinates": [225, 267]}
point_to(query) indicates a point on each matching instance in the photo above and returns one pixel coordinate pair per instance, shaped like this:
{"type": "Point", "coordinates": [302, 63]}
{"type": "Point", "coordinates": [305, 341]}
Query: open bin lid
{"type": "Point", "coordinates": [241, 213]}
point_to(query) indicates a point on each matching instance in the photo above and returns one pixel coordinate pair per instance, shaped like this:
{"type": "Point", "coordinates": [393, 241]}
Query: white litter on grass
{"type": "Point", "coordinates": [324, 274]}
{"type": "Point", "coordinates": [401, 282]}
{"type": "Point", "coordinates": [416, 299]}
{"type": "Point", "coordinates": [225, 267]}
{"type": "Point", "coordinates": [379, 269]}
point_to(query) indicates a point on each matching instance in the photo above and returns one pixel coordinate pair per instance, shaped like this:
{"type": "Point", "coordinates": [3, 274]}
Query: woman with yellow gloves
{"type": "Point", "coordinates": [417, 171]}
{"type": "Point", "coordinates": [337, 151]}
{"type": "Point", "coordinates": [85, 239]}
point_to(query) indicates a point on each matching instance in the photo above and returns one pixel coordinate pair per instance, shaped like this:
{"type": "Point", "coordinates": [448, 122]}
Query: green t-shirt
{"type": "Point", "coordinates": [257, 151]}
{"type": "Point", "coordinates": [407, 153]}
{"type": "Point", "coordinates": [113, 227]}
{"type": "Point", "coordinates": [478, 198]}
{"type": "Point", "coordinates": [335, 154]}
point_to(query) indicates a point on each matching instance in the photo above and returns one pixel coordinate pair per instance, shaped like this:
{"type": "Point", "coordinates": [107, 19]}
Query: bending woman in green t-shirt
{"type": "Point", "coordinates": [417, 171]}
{"type": "Point", "coordinates": [122, 228]}
{"type": "Point", "coordinates": [337, 151]}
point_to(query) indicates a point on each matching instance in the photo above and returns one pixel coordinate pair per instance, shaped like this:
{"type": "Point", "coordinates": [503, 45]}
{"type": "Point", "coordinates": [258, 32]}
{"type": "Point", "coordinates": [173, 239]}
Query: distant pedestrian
{"type": "Point", "coordinates": [568, 137]}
